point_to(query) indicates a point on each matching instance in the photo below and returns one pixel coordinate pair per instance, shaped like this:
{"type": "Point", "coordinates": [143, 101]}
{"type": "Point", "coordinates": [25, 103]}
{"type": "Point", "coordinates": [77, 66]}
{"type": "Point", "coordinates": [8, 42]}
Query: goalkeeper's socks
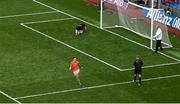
{"type": "Point", "coordinates": [134, 78]}
{"type": "Point", "coordinates": [140, 80]}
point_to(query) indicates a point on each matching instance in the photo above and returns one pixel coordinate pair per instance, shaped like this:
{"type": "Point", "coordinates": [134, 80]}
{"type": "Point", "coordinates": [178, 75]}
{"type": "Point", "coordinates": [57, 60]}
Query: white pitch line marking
{"type": "Point", "coordinates": [95, 87]}
{"type": "Point", "coordinates": [178, 60]}
{"type": "Point", "coordinates": [112, 66]}
{"type": "Point", "coordinates": [152, 66]}
{"type": "Point", "coordinates": [63, 19]}
{"type": "Point", "coordinates": [10, 97]}
{"type": "Point", "coordinates": [28, 14]}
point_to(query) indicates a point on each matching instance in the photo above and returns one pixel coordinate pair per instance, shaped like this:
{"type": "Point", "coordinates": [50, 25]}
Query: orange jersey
{"type": "Point", "coordinates": [75, 65]}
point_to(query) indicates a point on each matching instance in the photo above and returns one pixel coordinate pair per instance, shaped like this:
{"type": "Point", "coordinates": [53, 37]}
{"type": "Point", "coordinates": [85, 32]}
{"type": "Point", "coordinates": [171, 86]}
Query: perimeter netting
{"type": "Point", "coordinates": [135, 18]}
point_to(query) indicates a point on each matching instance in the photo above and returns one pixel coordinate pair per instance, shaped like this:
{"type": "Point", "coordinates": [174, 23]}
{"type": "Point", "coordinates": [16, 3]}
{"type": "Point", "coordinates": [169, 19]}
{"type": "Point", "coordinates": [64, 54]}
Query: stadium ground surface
{"type": "Point", "coordinates": [38, 42]}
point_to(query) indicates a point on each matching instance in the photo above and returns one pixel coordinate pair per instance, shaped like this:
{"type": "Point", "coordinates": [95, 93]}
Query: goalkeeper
{"type": "Point", "coordinates": [80, 28]}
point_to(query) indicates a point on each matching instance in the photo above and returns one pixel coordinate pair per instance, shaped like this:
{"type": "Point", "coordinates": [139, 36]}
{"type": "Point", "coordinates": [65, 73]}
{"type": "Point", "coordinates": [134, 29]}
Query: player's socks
{"type": "Point", "coordinates": [134, 78]}
{"type": "Point", "coordinates": [140, 80]}
{"type": "Point", "coordinates": [80, 84]}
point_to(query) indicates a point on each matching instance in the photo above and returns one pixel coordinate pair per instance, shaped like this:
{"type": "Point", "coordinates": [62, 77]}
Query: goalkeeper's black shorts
{"type": "Point", "coordinates": [137, 71]}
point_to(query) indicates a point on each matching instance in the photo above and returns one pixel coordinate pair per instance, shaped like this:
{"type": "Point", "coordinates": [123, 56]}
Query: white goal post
{"type": "Point", "coordinates": [138, 19]}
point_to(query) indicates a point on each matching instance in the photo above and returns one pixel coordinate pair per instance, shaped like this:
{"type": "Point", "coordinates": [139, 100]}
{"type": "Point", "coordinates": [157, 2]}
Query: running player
{"type": "Point", "coordinates": [75, 68]}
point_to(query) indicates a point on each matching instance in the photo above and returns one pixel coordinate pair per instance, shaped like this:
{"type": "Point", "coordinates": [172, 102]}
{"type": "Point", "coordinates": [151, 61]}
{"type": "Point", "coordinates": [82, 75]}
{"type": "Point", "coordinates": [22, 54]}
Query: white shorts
{"type": "Point", "coordinates": [79, 31]}
{"type": "Point", "coordinates": [76, 72]}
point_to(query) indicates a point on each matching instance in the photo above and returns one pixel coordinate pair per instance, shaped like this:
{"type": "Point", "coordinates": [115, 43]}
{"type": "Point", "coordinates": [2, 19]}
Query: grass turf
{"type": "Point", "coordinates": [33, 64]}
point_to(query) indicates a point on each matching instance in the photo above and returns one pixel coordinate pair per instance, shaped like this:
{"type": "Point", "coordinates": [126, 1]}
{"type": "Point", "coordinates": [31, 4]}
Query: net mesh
{"type": "Point", "coordinates": [134, 18]}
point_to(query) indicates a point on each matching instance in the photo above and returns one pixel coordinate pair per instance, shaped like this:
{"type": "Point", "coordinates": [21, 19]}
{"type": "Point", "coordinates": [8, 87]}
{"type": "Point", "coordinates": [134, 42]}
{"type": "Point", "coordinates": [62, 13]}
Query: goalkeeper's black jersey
{"type": "Point", "coordinates": [138, 64]}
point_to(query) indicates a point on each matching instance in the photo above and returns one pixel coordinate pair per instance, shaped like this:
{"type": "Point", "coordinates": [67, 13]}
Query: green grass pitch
{"type": "Point", "coordinates": [37, 43]}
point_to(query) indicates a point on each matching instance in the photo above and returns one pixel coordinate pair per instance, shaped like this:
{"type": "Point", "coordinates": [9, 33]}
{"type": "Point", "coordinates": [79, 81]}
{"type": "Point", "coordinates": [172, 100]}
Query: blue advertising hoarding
{"type": "Point", "coordinates": [159, 16]}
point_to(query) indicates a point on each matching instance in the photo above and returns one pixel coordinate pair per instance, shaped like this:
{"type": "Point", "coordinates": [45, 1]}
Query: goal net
{"type": "Point", "coordinates": [138, 19]}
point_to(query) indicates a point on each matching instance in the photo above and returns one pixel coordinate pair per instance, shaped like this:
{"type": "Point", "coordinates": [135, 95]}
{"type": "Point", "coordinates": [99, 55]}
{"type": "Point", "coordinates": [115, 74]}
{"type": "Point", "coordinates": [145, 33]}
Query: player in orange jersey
{"type": "Point", "coordinates": [75, 68]}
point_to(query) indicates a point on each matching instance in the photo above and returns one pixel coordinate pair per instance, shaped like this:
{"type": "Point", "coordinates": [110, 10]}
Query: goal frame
{"type": "Point", "coordinates": [151, 9]}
